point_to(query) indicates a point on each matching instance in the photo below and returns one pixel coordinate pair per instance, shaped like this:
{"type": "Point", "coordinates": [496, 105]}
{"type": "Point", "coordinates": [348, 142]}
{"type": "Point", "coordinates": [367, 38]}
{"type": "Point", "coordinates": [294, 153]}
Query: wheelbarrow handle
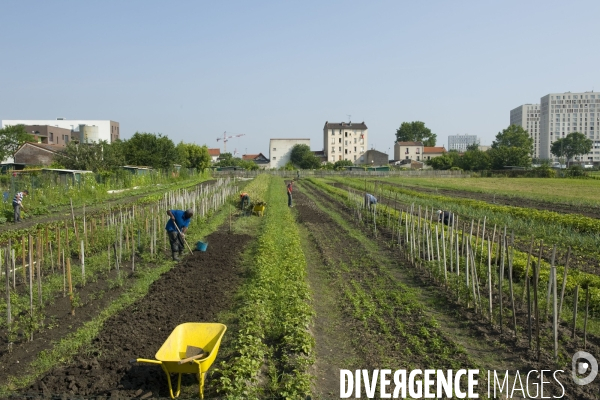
{"type": "Point", "coordinates": [185, 360]}
{"type": "Point", "coordinates": [144, 360]}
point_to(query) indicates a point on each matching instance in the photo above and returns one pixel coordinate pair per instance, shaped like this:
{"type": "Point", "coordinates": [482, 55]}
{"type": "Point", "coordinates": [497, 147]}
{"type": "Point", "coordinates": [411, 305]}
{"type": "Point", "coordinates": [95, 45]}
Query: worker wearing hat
{"type": "Point", "coordinates": [18, 205]}
{"type": "Point", "coordinates": [176, 229]}
{"type": "Point", "coordinates": [446, 217]}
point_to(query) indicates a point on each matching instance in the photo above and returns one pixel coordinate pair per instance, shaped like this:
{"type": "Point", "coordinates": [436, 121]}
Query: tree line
{"type": "Point", "coordinates": [142, 149]}
{"type": "Point", "coordinates": [513, 147]}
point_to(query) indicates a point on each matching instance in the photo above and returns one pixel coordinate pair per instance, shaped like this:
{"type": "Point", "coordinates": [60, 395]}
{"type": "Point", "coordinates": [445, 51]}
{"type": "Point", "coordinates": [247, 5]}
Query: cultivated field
{"type": "Point", "coordinates": [511, 285]}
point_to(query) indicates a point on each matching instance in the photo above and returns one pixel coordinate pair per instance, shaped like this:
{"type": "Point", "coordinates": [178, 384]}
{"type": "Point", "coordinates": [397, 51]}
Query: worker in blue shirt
{"type": "Point", "coordinates": [178, 219]}
{"type": "Point", "coordinates": [370, 200]}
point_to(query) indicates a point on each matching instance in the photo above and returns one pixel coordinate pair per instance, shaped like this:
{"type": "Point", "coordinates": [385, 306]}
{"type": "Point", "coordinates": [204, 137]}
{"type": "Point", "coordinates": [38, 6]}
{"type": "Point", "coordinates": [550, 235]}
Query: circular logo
{"type": "Point", "coordinates": [580, 367]}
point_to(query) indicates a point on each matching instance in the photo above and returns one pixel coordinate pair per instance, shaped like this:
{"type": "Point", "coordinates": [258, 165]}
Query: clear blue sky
{"type": "Point", "coordinates": [192, 70]}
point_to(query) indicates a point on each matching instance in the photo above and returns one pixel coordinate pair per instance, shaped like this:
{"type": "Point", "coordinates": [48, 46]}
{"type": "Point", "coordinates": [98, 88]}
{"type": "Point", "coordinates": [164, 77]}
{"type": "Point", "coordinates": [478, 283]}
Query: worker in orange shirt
{"type": "Point", "coordinates": [244, 200]}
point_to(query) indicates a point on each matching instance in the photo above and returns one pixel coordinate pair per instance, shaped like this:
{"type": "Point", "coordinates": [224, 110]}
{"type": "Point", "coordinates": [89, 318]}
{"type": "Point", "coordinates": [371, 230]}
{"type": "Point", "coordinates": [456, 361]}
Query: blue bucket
{"type": "Point", "coordinates": [201, 246]}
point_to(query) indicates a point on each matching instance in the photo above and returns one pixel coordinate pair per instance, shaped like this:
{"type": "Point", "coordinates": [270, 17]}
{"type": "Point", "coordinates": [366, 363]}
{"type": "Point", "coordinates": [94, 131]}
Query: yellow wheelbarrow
{"type": "Point", "coordinates": [170, 355]}
{"type": "Point", "coordinates": [259, 209]}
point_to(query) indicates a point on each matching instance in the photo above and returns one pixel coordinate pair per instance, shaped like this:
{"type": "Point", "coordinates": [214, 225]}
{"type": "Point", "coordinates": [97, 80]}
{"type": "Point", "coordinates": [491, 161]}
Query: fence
{"type": "Point", "coordinates": [324, 173]}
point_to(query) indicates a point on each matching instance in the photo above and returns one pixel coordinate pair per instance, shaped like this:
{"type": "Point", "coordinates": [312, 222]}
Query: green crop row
{"type": "Point", "coordinates": [274, 311]}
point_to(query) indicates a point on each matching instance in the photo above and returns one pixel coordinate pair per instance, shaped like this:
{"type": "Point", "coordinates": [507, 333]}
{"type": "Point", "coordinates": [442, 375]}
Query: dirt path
{"type": "Point", "coordinates": [196, 290]}
{"type": "Point", "coordinates": [330, 330]}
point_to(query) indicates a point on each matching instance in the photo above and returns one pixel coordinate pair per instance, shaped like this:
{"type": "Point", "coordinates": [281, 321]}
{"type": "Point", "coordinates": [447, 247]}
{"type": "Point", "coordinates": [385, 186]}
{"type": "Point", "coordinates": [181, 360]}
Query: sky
{"type": "Point", "coordinates": [193, 70]}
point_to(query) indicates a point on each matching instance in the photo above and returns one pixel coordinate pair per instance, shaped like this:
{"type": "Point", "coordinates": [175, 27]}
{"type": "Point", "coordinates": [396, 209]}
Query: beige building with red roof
{"type": "Point", "coordinates": [214, 154]}
{"type": "Point", "coordinates": [432, 152]}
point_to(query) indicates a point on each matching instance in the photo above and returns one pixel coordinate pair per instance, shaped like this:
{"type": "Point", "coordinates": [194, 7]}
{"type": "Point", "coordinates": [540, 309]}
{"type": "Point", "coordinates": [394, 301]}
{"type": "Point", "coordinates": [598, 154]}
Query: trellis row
{"type": "Point", "coordinates": [102, 233]}
{"type": "Point", "coordinates": [415, 231]}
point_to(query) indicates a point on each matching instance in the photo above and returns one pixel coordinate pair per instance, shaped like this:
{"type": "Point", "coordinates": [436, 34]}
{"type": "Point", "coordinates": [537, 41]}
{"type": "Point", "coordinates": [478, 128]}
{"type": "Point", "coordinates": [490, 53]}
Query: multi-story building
{"type": "Point", "coordinates": [461, 142]}
{"type": "Point", "coordinates": [280, 150]}
{"type": "Point", "coordinates": [408, 151]}
{"type": "Point", "coordinates": [564, 113]}
{"type": "Point", "coordinates": [527, 116]}
{"type": "Point", "coordinates": [345, 140]}
{"type": "Point", "coordinates": [85, 131]}
{"type": "Point", "coordinates": [46, 134]}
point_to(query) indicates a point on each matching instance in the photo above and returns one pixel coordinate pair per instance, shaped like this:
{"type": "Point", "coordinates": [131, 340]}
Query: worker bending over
{"type": "Point", "coordinates": [244, 200]}
{"type": "Point", "coordinates": [176, 229]}
{"type": "Point", "coordinates": [370, 200]}
{"type": "Point", "coordinates": [18, 205]}
{"type": "Point", "coordinates": [446, 217]}
{"type": "Point", "coordinates": [290, 187]}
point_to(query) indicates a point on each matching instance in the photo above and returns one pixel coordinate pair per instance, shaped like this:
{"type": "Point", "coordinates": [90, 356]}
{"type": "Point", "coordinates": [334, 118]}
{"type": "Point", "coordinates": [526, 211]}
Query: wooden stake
{"type": "Point", "coordinates": [510, 277]}
{"type": "Point", "coordinates": [587, 309]}
{"type": "Point", "coordinates": [527, 267]}
{"type": "Point", "coordinates": [575, 303]}
{"type": "Point", "coordinates": [7, 273]}
{"type": "Point", "coordinates": [564, 283]}
{"type": "Point", "coordinates": [71, 296]}
{"type": "Point", "coordinates": [536, 301]}
{"type": "Point", "coordinates": [30, 242]}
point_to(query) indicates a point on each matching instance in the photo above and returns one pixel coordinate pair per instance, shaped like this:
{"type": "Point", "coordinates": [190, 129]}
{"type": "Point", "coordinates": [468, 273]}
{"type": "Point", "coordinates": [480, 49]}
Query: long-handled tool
{"type": "Point", "coordinates": [193, 353]}
{"type": "Point", "coordinates": [181, 237]}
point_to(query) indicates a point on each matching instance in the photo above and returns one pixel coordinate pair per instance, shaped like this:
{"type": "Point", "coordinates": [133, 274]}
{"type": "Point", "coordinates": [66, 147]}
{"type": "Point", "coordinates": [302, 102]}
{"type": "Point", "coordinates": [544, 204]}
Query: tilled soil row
{"type": "Point", "coordinates": [482, 328]}
{"type": "Point", "coordinates": [58, 322]}
{"type": "Point", "coordinates": [196, 290]}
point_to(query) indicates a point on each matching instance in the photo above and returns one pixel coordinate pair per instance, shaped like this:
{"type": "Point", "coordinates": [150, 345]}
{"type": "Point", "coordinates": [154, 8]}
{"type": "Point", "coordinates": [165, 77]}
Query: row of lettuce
{"type": "Point", "coordinates": [272, 348]}
{"type": "Point", "coordinates": [574, 277]}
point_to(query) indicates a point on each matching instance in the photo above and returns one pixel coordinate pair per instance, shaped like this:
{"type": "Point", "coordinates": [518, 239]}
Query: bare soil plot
{"type": "Point", "coordinates": [196, 290]}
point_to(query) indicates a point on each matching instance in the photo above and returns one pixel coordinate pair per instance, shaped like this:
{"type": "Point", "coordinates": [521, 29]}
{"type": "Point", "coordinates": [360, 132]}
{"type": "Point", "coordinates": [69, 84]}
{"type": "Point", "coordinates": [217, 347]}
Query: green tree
{"type": "Point", "coordinates": [304, 158]}
{"type": "Point", "coordinates": [475, 160]}
{"type": "Point", "coordinates": [340, 164]}
{"type": "Point", "coordinates": [12, 138]}
{"type": "Point", "coordinates": [152, 150]}
{"type": "Point", "coordinates": [193, 156]}
{"type": "Point", "coordinates": [573, 145]}
{"type": "Point", "coordinates": [512, 147]}
{"type": "Point", "coordinates": [443, 162]}
{"type": "Point", "coordinates": [96, 157]}
{"type": "Point", "coordinates": [416, 131]}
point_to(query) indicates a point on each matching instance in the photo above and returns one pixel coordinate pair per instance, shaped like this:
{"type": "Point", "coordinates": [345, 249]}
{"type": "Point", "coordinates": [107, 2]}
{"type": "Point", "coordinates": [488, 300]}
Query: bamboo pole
{"type": "Point", "coordinates": [536, 301]}
{"type": "Point", "coordinates": [64, 275]}
{"type": "Point", "coordinates": [7, 273]}
{"type": "Point", "coordinates": [39, 269]}
{"type": "Point", "coordinates": [549, 285]}
{"type": "Point", "coordinates": [587, 309]}
{"type": "Point", "coordinates": [510, 277]}
{"type": "Point", "coordinates": [575, 300]}
{"type": "Point", "coordinates": [83, 263]}
{"type": "Point", "coordinates": [564, 283]}
{"type": "Point", "coordinates": [490, 283]}
{"type": "Point", "coordinates": [30, 251]}
{"type": "Point", "coordinates": [527, 266]}
{"type": "Point", "coordinates": [70, 281]}
{"type": "Point", "coordinates": [555, 312]}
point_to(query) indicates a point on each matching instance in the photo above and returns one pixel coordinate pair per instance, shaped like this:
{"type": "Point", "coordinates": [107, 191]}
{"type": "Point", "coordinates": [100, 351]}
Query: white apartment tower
{"type": "Point", "coordinates": [345, 140]}
{"type": "Point", "coordinates": [527, 116]}
{"type": "Point", "coordinates": [563, 113]}
{"type": "Point", "coordinates": [461, 142]}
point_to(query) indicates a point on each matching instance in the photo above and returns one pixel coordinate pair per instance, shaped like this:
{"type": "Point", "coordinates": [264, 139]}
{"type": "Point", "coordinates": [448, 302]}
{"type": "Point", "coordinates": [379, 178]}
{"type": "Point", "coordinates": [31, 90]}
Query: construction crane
{"type": "Point", "coordinates": [226, 138]}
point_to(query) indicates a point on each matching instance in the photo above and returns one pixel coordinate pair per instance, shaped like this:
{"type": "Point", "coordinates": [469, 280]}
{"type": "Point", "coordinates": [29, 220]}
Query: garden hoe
{"type": "Point", "coordinates": [181, 237]}
{"type": "Point", "coordinates": [193, 353]}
